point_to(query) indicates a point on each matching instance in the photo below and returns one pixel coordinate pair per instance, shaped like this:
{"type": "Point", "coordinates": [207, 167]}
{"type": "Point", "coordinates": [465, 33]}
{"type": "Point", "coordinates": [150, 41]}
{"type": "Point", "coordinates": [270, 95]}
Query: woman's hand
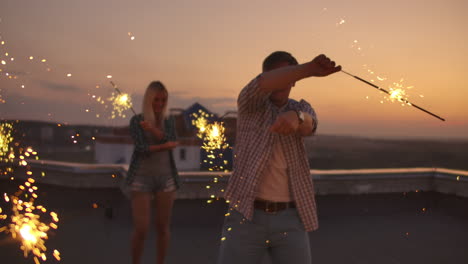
{"type": "Point", "coordinates": [157, 132]}
{"type": "Point", "coordinates": [146, 125]}
{"type": "Point", "coordinates": [171, 144]}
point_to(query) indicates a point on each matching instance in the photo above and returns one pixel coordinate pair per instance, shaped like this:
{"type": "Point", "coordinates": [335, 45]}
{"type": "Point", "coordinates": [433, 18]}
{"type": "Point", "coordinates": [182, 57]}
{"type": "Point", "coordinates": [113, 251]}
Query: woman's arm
{"type": "Point", "coordinates": [164, 146]}
{"type": "Point", "coordinates": [137, 134]}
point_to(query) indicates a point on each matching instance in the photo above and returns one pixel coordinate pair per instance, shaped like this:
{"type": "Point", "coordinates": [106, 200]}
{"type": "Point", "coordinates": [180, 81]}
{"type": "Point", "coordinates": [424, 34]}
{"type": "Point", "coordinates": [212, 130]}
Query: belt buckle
{"type": "Point", "coordinates": [273, 210]}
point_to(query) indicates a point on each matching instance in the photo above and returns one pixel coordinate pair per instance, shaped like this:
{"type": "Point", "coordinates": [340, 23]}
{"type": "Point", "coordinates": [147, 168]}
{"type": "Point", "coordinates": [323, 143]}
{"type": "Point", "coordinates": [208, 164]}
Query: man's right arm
{"type": "Point", "coordinates": [282, 77]}
{"type": "Point", "coordinates": [251, 98]}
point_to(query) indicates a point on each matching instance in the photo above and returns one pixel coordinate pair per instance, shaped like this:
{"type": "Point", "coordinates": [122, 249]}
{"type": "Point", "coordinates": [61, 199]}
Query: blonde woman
{"type": "Point", "coordinates": [152, 172]}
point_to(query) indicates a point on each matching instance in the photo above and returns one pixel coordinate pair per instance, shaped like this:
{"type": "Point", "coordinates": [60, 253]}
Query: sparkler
{"type": "Point", "coordinates": [25, 223]}
{"type": "Point", "coordinates": [397, 94]}
{"type": "Point", "coordinates": [214, 143]}
{"type": "Point", "coordinates": [211, 134]}
{"type": "Point", "coordinates": [122, 101]}
{"type": "Point", "coordinates": [214, 137]}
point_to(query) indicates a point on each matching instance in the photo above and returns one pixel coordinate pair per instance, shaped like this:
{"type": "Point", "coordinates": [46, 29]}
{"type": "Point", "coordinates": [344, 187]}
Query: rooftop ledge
{"type": "Point", "coordinates": [194, 183]}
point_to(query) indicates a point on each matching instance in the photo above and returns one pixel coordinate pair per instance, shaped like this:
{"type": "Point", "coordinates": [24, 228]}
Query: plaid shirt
{"type": "Point", "coordinates": [142, 146]}
{"type": "Point", "coordinates": [256, 113]}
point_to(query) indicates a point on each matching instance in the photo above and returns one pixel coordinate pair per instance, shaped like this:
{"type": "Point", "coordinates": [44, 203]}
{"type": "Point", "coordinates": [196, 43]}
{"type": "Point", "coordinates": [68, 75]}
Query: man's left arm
{"type": "Point", "coordinates": [289, 122]}
{"type": "Point", "coordinates": [309, 126]}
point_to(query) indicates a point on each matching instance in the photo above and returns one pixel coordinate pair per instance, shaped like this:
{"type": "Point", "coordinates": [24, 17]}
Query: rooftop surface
{"type": "Point", "coordinates": [396, 228]}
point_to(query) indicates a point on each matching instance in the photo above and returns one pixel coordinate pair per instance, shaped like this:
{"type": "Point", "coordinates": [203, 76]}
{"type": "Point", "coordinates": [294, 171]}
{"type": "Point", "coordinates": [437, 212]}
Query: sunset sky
{"type": "Point", "coordinates": [205, 51]}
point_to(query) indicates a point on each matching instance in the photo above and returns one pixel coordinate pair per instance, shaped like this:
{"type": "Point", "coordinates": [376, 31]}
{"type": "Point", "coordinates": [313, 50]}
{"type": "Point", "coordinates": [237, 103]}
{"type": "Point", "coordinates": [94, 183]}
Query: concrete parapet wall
{"type": "Point", "coordinates": [205, 185]}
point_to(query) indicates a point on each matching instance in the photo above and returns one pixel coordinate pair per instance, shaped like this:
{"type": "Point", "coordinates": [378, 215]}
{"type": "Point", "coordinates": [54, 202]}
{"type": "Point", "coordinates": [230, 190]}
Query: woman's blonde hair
{"type": "Point", "coordinates": [151, 91]}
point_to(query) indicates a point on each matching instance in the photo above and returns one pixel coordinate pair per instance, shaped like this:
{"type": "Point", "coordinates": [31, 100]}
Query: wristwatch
{"type": "Point", "coordinates": [300, 116]}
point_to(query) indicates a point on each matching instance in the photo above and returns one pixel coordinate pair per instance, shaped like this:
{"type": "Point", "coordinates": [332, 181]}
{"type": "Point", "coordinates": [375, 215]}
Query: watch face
{"type": "Point", "coordinates": [300, 115]}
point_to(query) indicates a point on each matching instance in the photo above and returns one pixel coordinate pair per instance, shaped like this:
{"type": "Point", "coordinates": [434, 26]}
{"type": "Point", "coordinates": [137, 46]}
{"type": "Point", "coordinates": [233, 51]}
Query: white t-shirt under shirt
{"type": "Point", "coordinates": [273, 184]}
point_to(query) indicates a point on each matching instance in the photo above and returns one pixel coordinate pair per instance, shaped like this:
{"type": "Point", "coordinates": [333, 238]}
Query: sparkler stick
{"type": "Point", "coordinates": [120, 93]}
{"type": "Point", "coordinates": [387, 92]}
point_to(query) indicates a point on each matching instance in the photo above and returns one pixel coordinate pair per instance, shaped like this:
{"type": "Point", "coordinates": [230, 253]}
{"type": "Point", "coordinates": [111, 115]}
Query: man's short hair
{"type": "Point", "coordinates": [277, 57]}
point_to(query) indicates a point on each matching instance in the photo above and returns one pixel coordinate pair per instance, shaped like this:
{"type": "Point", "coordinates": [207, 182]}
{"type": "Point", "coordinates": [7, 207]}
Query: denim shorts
{"type": "Point", "coordinates": [152, 184]}
{"type": "Point", "coordinates": [154, 174]}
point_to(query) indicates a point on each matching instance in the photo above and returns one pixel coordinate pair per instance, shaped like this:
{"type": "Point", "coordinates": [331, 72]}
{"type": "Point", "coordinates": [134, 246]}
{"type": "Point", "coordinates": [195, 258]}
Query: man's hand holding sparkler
{"type": "Point", "coordinates": [281, 78]}
{"type": "Point", "coordinates": [321, 66]}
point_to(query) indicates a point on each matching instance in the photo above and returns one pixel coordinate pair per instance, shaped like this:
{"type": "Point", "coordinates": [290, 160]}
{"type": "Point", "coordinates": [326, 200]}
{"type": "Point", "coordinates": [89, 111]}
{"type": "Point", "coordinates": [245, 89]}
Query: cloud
{"type": "Point", "coordinates": [16, 73]}
{"type": "Point", "coordinates": [58, 86]}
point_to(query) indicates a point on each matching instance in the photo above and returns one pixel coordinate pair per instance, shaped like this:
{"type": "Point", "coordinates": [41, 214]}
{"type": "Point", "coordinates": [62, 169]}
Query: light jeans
{"type": "Point", "coordinates": [280, 234]}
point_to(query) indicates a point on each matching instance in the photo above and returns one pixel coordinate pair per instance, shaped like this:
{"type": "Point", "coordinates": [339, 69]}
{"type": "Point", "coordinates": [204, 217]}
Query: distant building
{"type": "Point", "coordinates": [47, 137]}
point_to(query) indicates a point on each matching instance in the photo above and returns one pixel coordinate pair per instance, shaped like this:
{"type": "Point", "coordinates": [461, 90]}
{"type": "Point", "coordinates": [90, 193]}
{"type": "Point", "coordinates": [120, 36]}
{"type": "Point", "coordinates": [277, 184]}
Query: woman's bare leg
{"type": "Point", "coordinates": [164, 203]}
{"type": "Point", "coordinates": [141, 212]}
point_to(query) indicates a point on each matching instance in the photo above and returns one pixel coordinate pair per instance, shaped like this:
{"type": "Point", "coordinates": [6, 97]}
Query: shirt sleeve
{"type": "Point", "coordinates": [307, 108]}
{"type": "Point", "coordinates": [138, 135]}
{"type": "Point", "coordinates": [251, 99]}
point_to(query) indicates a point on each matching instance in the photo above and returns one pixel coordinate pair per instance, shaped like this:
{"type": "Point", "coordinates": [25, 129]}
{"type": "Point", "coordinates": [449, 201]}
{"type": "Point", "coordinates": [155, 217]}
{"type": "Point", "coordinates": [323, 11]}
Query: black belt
{"type": "Point", "coordinates": [273, 207]}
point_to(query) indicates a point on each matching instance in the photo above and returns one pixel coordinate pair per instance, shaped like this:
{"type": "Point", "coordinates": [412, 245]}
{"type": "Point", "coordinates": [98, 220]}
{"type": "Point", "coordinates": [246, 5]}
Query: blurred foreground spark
{"type": "Point", "coordinates": [26, 224]}
{"type": "Point", "coordinates": [57, 254]}
{"type": "Point", "coordinates": [395, 94]}
{"type": "Point", "coordinates": [69, 75]}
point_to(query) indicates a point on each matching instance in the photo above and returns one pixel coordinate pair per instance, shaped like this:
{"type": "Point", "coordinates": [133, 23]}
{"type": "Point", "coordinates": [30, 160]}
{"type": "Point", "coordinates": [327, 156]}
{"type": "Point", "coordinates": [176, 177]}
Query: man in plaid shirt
{"type": "Point", "coordinates": [271, 194]}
